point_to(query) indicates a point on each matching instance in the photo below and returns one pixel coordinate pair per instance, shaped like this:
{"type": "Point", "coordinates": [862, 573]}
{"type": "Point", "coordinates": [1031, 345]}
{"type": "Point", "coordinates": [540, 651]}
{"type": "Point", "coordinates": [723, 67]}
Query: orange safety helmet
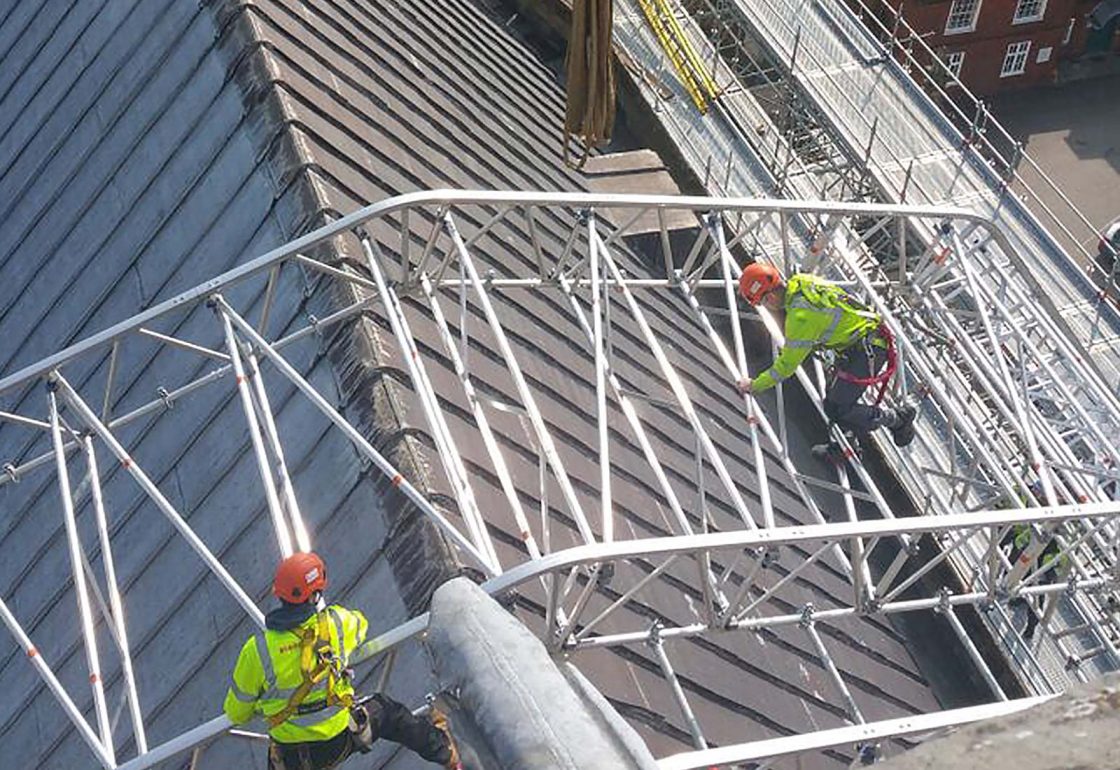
{"type": "Point", "coordinates": [757, 280]}
{"type": "Point", "coordinates": [299, 577]}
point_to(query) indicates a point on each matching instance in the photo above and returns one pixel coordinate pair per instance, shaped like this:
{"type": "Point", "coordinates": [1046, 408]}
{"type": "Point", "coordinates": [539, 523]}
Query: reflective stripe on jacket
{"type": "Point", "coordinates": [268, 672]}
{"type": "Point", "coordinates": [819, 314]}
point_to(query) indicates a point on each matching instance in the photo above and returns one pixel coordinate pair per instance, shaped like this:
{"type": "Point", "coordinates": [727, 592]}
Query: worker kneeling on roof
{"type": "Point", "coordinates": [820, 314]}
{"type": "Point", "coordinates": [295, 676]}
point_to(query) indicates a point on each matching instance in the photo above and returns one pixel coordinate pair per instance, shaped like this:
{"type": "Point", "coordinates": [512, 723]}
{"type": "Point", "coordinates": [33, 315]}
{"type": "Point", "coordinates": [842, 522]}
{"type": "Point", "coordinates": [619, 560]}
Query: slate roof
{"type": "Point", "coordinates": [145, 146]}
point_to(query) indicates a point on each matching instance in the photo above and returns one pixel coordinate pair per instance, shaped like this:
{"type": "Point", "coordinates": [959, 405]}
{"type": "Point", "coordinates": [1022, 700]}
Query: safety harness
{"type": "Point", "coordinates": [316, 660]}
{"type": "Point", "coordinates": [883, 378]}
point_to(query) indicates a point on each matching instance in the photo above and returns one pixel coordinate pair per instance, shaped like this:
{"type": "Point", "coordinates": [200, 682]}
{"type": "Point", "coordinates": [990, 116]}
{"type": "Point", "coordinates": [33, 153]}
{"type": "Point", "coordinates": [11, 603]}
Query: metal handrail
{"type": "Point", "coordinates": [978, 134]}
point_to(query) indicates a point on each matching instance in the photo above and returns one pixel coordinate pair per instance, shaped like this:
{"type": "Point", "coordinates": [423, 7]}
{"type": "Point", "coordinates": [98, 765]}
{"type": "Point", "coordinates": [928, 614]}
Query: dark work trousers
{"type": "Point", "coordinates": [1046, 578]}
{"type": "Point", "coordinates": [388, 719]}
{"type": "Point", "coordinates": [842, 400]}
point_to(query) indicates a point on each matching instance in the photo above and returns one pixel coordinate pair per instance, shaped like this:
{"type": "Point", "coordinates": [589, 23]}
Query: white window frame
{"type": "Point", "coordinates": [1019, 18]}
{"type": "Point", "coordinates": [1015, 59]}
{"type": "Point", "coordinates": [954, 62]}
{"type": "Point", "coordinates": [971, 26]}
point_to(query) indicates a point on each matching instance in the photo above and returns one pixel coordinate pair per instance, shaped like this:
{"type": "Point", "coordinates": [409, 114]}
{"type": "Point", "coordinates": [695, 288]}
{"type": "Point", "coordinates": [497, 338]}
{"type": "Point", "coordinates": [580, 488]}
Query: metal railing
{"type": "Point", "coordinates": [976, 126]}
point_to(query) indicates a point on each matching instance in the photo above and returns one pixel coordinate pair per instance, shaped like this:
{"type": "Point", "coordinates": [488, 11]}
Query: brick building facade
{"type": "Point", "coordinates": [1000, 45]}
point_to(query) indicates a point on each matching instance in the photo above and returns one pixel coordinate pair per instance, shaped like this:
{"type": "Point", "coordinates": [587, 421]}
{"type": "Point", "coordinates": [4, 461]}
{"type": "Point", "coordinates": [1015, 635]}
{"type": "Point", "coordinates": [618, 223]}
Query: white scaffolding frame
{"type": "Point", "coordinates": [1008, 405]}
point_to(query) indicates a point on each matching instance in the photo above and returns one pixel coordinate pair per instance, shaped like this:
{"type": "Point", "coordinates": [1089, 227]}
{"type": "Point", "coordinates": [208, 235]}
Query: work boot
{"type": "Point", "coordinates": [831, 452]}
{"type": "Point", "coordinates": [902, 431]}
{"type": "Point", "coordinates": [439, 721]}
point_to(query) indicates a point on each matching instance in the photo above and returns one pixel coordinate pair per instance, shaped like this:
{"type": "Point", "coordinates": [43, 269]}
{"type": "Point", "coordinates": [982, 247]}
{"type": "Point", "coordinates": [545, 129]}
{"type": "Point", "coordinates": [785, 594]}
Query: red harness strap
{"type": "Point", "coordinates": [883, 378]}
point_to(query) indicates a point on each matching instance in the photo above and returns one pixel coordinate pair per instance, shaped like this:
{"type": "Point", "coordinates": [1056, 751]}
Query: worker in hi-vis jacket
{"type": "Point", "coordinates": [295, 676]}
{"type": "Point", "coordinates": [820, 314]}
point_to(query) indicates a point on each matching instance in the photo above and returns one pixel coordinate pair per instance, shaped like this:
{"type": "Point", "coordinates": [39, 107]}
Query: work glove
{"type": "Point", "coordinates": [439, 721]}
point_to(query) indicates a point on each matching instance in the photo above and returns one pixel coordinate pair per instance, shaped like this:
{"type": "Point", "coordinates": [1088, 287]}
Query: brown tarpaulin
{"type": "Point", "coordinates": [590, 72]}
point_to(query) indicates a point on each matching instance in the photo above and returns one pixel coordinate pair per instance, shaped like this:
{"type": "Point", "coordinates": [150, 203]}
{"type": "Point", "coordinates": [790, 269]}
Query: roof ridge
{"type": "Point", "coordinates": [364, 374]}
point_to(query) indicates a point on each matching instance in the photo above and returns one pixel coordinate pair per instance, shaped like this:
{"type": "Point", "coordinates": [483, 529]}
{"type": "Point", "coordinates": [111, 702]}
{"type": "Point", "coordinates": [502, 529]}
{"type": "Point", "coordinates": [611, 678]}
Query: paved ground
{"type": "Point", "coordinates": [1073, 133]}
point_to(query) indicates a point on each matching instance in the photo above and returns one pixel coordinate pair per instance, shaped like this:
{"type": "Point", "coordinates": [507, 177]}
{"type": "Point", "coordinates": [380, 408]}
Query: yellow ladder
{"type": "Point", "coordinates": [690, 69]}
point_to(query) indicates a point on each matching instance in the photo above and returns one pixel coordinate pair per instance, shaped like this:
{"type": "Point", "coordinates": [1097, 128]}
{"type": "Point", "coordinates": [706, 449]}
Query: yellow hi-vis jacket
{"type": "Point", "coordinates": [268, 673]}
{"type": "Point", "coordinates": [819, 314]}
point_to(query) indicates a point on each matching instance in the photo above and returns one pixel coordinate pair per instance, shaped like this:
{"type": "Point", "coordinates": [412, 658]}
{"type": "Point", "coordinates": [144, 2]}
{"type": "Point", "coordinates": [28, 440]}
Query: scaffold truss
{"type": "Point", "coordinates": [1017, 429]}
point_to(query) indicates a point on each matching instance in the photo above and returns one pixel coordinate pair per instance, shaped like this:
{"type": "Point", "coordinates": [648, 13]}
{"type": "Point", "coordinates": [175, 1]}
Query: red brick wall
{"type": "Point", "coordinates": [986, 46]}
